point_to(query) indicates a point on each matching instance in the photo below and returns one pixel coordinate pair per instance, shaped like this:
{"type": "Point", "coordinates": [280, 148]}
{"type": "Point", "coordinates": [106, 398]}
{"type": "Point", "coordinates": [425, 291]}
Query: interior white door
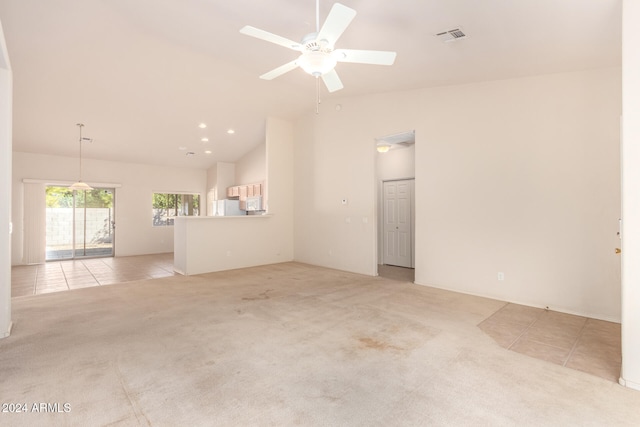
{"type": "Point", "coordinates": [397, 223]}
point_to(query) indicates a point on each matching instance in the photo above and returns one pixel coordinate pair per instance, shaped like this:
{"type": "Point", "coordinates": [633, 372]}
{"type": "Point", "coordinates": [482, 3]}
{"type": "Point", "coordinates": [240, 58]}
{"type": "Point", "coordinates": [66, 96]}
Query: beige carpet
{"type": "Point", "coordinates": [287, 344]}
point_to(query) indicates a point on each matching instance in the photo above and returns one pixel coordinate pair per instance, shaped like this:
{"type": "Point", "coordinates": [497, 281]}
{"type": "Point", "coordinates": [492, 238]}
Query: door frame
{"type": "Point", "coordinates": [111, 225]}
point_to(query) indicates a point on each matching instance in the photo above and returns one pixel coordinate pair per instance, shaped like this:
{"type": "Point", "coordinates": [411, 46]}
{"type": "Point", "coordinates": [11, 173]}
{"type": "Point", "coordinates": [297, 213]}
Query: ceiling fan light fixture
{"type": "Point", "coordinates": [317, 63]}
{"type": "Point", "coordinates": [80, 186]}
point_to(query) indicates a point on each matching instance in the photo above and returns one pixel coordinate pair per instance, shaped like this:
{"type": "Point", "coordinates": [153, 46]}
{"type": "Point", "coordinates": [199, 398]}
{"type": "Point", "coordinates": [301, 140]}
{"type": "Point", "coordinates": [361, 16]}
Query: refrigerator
{"type": "Point", "coordinates": [228, 207]}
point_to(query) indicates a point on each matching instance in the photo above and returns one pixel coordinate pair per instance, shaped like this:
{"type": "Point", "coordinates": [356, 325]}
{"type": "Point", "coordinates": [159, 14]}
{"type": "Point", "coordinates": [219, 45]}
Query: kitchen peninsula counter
{"type": "Point", "coordinates": [204, 244]}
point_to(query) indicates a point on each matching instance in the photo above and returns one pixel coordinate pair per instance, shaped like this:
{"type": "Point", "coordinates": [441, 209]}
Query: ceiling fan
{"type": "Point", "coordinates": [318, 56]}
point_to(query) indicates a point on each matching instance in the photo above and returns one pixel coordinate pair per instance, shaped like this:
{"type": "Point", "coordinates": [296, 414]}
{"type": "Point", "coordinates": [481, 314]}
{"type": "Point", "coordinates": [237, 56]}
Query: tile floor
{"type": "Point", "coordinates": [581, 343]}
{"type": "Point", "coordinates": [81, 273]}
{"type": "Point", "coordinates": [576, 342]}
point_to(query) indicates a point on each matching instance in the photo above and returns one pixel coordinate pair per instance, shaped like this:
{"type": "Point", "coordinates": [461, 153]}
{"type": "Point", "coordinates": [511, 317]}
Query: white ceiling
{"type": "Point", "coordinates": [141, 74]}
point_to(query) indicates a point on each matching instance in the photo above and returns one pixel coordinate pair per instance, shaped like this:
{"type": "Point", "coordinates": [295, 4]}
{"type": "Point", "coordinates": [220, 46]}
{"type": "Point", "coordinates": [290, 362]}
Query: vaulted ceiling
{"type": "Point", "coordinates": [142, 74]}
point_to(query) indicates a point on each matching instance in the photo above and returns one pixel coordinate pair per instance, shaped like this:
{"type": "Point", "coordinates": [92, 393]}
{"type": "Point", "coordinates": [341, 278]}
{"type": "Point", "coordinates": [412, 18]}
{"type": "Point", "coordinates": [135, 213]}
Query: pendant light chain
{"type": "Point", "coordinates": [80, 186]}
{"type": "Point", "coordinates": [80, 125]}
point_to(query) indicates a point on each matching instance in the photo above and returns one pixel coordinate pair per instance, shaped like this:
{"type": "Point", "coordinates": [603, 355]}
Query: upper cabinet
{"type": "Point", "coordinates": [233, 192]}
{"type": "Point", "coordinates": [243, 191]}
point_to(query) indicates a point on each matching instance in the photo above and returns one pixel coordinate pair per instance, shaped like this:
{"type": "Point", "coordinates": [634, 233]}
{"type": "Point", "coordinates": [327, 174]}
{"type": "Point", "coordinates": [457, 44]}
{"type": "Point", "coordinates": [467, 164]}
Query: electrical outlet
{"type": "Point", "coordinates": [500, 276]}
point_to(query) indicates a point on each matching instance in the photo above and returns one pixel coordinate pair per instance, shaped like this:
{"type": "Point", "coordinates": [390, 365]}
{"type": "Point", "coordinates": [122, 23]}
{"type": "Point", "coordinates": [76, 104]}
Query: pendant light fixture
{"type": "Point", "coordinates": [81, 186]}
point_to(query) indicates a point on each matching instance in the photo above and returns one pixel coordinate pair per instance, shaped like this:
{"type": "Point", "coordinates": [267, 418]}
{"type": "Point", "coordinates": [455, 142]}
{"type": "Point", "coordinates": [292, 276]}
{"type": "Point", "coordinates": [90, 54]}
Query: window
{"type": "Point", "coordinates": [167, 206]}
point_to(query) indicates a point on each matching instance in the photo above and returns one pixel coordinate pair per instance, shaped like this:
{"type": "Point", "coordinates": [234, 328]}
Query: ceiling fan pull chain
{"type": "Point", "coordinates": [317, 95]}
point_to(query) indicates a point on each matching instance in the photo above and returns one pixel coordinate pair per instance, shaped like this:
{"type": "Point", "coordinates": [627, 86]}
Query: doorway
{"type": "Point", "coordinates": [395, 182]}
{"type": "Point", "coordinates": [79, 224]}
{"type": "Point", "coordinates": [397, 239]}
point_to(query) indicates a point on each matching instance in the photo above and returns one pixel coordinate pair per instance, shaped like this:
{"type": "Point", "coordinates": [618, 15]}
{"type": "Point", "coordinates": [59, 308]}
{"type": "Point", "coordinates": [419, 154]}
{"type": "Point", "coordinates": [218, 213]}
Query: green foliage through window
{"type": "Point", "coordinates": [62, 197]}
{"type": "Point", "coordinates": [167, 206]}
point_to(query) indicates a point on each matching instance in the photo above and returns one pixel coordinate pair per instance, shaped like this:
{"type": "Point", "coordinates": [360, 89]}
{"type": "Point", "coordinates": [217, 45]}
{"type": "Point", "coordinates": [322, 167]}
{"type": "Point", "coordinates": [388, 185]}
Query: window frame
{"type": "Point", "coordinates": [174, 207]}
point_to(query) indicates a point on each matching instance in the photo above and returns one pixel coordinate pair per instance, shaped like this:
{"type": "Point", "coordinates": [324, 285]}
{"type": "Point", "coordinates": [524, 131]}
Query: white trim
{"type": "Point", "coordinates": [216, 217]}
{"type": "Point", "coordinates": [527, 304]}
{"type": "Point", "coordinates": [629, 384]}
{"type": "Point", "coordinates": [68, 183]}
{"type": "Point", "coordinates": [177, 192]}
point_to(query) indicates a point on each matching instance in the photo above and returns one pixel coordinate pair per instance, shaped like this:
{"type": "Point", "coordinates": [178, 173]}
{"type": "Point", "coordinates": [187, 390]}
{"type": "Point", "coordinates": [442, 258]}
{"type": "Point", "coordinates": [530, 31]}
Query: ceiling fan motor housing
{"type": "Point", "coordinates": [311, 42]}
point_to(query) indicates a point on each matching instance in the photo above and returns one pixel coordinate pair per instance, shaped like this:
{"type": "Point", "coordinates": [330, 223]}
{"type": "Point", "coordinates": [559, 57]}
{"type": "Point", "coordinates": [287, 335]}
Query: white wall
{"type": "Point", "coordinates": [630, 375]}
{"type": "Point", "coordinates": [226, 178]}
{"type": "Point", "coordinates": [212, 189]}
{"type": "Point", "coordinates": [135, 234]}
{"type": "Point", "coordinates": [6, 96]}
{"type": "Point", "coordinates": [252, 167]}
{"type": "Point", "coordinates": [396, 164]}
{"type": "Point", "coordinates": [526, 184]}
{"type": "Point", "coordinates": [219, 177]}
{"type": "Point", "coordinates": [335, 160]}
{"type": "Point", "coordinates": [222, 243]}
{"type": "Point", "coordinates": [280, 178]}
{"type": "Point", "coordinates": [519, 176]}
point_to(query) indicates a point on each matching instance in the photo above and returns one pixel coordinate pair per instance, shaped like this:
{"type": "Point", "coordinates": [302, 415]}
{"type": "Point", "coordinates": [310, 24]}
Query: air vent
{"type": "Point", "coordinates": [451, 35]}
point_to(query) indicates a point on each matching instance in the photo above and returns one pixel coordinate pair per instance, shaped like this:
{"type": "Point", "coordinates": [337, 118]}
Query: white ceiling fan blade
{"type": "Point", "coordinates": [332, 81]}
{"type": "Point", "coordinates": [376, 57]}
{"type": "Point", "coordinates": [338, 20]}
{"type": "Point", "coordinates": [280, 70]}
{"type": "Point", "coordinates": [270, 37]}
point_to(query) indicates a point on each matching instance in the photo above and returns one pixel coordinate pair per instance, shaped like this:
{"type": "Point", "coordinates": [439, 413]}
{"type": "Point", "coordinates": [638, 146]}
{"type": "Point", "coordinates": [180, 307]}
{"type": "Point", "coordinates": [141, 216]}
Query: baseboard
{"type": "Point", "coordinates": [629, 384]}
{"type": "Point", "coordinates": [591, 315]}
{"type": "Point", "coordinates": [6, 334]}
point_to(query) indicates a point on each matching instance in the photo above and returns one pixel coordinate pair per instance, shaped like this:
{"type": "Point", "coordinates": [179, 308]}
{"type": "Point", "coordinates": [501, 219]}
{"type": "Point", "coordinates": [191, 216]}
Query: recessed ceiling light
{"type": "Point", "coordinates": [202, 125]}
{"type": "Point", "coordinates": [205, 139]}
{"type": "Point", "coordinates": [207, 152]}
{"type": "Point", "coordinates": [231, 131]}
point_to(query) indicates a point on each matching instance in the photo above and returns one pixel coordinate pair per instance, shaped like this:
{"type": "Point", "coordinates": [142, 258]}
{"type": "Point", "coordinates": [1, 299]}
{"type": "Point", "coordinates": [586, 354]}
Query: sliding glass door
{"type": "Point", "coordinates": [80, 224]}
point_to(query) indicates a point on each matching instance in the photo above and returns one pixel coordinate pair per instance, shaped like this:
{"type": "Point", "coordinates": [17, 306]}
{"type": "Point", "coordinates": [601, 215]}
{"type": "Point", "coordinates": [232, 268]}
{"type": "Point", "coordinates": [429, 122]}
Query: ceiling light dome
{"type": "Point", "coordinates": [383, 147]}
{"type": "Point", "coordinates": [317, 63]}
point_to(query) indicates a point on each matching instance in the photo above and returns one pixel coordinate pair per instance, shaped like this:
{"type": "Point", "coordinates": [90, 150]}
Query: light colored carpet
{"type": "Point", "coordinates": [279, 345]}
